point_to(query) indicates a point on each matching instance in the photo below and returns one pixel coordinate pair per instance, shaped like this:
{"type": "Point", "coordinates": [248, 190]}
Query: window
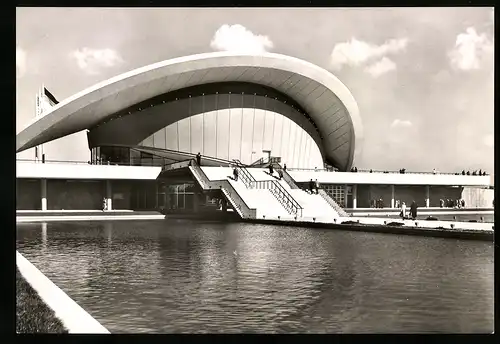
{"type": "Point", "coordinates": [337, 192]}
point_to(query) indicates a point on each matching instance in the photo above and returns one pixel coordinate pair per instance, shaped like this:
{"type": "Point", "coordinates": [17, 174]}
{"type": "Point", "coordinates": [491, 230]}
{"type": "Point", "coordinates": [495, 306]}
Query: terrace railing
{"type": "Point", "coordinates": [373, 171]}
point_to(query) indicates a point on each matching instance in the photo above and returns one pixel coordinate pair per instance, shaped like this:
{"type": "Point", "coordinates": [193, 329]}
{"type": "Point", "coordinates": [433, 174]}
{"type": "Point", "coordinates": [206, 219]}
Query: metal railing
{"type": "Point", "coordinates": [158, 162]}
{"type": "Point", "coordinates": [243, 173]}
{"type": "Point", "coordinates": [378, 171]}
{"type": "Point", "coordinates": [288, 178]}
{"type": "Point", "coordinates": [280, 193]}
{"type": "Point", "coordinates": [266, 160]}
{"type": "Point", "coordinates": [177, 165]}
{"type": "Point", "coordinates": [227, 189]}
{"type": "Point", "coordinates": [341, 211]}
{"type": "Point", "coordinates": [139, 162]}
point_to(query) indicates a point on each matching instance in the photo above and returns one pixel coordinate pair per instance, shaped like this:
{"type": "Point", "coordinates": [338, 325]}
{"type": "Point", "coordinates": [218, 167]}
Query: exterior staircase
{"type": "Point", "coordinates": [256, 194]}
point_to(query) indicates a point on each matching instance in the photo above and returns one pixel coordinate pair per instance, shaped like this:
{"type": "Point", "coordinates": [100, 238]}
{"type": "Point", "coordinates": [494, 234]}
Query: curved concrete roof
{"type": "Point", "coordinates": [326, 99]}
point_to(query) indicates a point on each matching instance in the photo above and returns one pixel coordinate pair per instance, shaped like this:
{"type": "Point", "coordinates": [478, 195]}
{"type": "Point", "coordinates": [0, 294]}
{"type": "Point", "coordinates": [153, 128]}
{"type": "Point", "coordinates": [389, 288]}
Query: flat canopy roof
{"type": "Point", "coordinates": [325, 98]}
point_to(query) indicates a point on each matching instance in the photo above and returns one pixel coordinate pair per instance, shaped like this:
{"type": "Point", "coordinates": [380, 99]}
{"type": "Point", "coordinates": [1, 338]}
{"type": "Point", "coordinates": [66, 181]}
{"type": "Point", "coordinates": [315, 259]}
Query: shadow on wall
{"type": "Point", "coordinates": [75, 195]}
{"type": "Point", "coordinates": [28, 194]}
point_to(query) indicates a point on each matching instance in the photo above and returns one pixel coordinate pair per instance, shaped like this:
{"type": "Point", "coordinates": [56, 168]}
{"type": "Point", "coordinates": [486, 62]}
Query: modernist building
{"type": "Point", "coordinates": [224, 105]}
{"type": "Point", "coordinates": [227, 106]}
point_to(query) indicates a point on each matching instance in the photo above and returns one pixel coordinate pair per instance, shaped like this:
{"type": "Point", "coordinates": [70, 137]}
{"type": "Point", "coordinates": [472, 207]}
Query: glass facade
{"type": "Point", "coordinates": [337, 192]}
{"type": "Point", "coordinates": [180, 196]}
{"type": "Point", "coordinates": [225, 121]}
{"type": "Point", "coordinates": [113, 155]}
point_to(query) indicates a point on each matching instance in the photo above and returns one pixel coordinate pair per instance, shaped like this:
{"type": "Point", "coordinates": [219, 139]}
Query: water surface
{"type": "Point", "coordinates": [182, 276]}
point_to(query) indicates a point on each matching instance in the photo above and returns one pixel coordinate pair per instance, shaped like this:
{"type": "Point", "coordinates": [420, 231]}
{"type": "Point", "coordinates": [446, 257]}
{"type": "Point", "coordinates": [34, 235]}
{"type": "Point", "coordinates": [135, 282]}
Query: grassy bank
{"type": "Point", "coordinates": [32, 314]}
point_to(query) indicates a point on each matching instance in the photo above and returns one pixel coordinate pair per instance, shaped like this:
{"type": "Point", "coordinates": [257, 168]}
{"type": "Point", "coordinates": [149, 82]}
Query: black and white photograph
{"type": "Point", "coordinates": [269, 170]}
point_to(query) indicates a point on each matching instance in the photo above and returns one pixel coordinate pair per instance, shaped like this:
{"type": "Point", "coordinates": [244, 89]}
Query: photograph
{"type": "Point", "coordinates": [243, 170]}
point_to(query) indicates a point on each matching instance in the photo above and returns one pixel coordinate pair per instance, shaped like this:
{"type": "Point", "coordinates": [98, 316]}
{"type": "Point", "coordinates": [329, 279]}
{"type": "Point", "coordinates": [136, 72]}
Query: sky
{"type": "Point", "coordinates": [422, 77]}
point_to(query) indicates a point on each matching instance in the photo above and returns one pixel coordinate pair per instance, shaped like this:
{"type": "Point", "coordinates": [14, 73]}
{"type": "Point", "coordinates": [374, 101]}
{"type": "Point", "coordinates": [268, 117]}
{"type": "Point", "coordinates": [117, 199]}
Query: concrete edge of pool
{"type": "Point", "coordinates": [460, 230]}
{"type": "Point", "coordinates": [72, 315]}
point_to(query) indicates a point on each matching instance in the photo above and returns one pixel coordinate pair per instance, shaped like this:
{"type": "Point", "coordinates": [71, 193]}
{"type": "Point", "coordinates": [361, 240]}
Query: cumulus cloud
{"type": "Point", "coordinates": [489, 140]}
{"type": "Point", "coordinates": [355, 52]}
{"type": "Point", "coordinates": [378, 68]}
{"type": "Point", "coordinates": [20, 62]}
{"type": "Point", "coordinates": [93, 60]}
{"type": "Point", "coordinates": [239, 39]}
{"type": "Point", "coordinates": [398, 123]}
{"type": "Point", "coordinates": [470, 50]}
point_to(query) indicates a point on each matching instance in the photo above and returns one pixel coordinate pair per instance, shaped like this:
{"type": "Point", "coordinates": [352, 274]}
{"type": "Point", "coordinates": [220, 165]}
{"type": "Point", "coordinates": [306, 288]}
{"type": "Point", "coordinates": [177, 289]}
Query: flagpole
{"type": "Point", "coordinates": [42, 98]}
{"type": "Point", "coordinates": [37, 100]}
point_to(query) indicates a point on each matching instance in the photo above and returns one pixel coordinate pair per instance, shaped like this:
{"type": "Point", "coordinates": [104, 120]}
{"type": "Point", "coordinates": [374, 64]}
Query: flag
{"type": "Point", "coordinates": [52, 100]}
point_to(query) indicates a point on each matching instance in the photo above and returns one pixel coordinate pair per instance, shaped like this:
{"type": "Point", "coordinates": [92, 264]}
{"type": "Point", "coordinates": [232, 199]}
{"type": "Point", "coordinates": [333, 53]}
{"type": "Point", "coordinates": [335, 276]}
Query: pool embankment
{"type": "Point", "coordinates": [71, 315]}
{"type": "Point", "coordinates": [32, 314]}
{"type": "Point", "coordinates": [393, 227]}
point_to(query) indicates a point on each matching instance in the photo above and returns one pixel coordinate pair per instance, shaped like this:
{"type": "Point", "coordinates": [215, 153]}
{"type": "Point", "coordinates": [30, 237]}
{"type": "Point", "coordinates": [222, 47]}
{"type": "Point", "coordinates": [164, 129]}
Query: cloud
{"type": "Point", "coordinates": [383, 66]}
{"type": "Point", "coordinates": [489, 140]}
{"type": "Point", "coordinates": [397, 123]}
{"type": "Point", "coordinates": [93, 60]}
{"type": "Point", "coordinates": [470, 50]}
{"type": "Point", "coordinates": [355, 52]}
{"type": "Point", "coordinates": [20, 62]}
{"type": "Point", "coordinates": [239, 39]}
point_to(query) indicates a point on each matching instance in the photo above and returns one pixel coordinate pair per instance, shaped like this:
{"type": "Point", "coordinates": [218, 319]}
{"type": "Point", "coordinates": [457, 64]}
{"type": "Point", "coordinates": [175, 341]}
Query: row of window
{"type": "Point", "coordinates": [125, 156]}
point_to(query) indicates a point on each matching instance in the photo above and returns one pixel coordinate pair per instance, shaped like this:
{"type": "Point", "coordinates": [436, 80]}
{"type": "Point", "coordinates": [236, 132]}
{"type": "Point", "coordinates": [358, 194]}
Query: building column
{"type": "Point", "coordinates": [427, 196]}
{"type": "Point", "coordinates": [345, 196]}
{"type": "Point", "coordinates": [109, 195]}
{"type": "Point", "coordinates": [168, 205]}
{"type": "Point", "coordinates": [392, 196]}
{"type": "Point", "coordinates": [44, 194]}
{"type": "Point", "coordinates": [224, 205]}
{"type": "Point", "coordinates": [165, 198]}
{"type": "Point", "coordinates": [196, 202]}
{"type": "Point", "coordinates": [354, 196]}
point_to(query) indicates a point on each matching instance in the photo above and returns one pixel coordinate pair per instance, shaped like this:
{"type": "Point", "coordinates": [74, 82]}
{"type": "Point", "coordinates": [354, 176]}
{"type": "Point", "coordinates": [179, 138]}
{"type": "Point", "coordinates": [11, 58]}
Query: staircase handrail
{"type": "Point", "coordinates": [281, 194]}
{"type": "Point", "coordinates": [276, 189]}
{"type": "Point", "coordinates": [288, 178]}
{"type": "Point", "coordinates": [341, 211]}
{"type": "Point", "coordinates": [227, 189]}
{"type": "Point", "coordinates": [246, 176]}
{"type": "Point", "coordinates": [177, 165]}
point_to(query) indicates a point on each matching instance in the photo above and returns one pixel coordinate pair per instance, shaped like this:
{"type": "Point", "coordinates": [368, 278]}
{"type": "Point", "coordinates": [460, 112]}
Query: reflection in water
{"type": "Point", "coordinates": [181, 276]}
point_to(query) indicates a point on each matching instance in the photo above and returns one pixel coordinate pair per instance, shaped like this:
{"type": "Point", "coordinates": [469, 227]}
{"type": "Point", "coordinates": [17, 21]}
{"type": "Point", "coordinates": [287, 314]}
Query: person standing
{"type": "Point", "coordinates": [403, 210]}
{"type": "Point", "coordinates": [284, 167]}
{"type": "Point", "coordinates": [235, 174]}
{"type": "Point", "coordinates": [316, 184]}
{"type": "Point", "coordinates": [280, 174]}
{"type": "Point", "coordinates": [311, 186]}
{"type": "Point", "coordinates": [271, 170]}
{"type": "Point", "coordinates": [198, 159]}
{"type": "Point", "coordinates": [413, 210]}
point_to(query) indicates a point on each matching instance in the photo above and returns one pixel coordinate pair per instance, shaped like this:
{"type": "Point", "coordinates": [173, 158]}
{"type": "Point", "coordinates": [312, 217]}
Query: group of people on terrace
{"type": "Point", "coordinates": [474, 173]}
{"type": "Point", "coordinates": [313, 186]}
{"type": "Point", "coordinates": [434, 171]}
{"type": "Point", "coordinates": [449, 203]}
